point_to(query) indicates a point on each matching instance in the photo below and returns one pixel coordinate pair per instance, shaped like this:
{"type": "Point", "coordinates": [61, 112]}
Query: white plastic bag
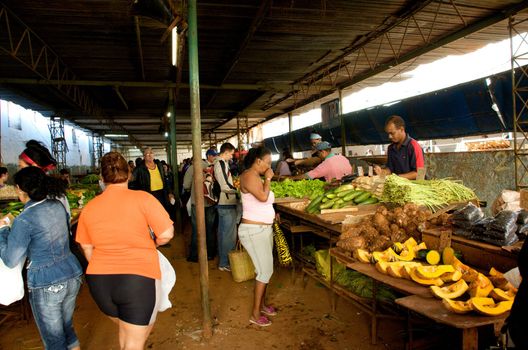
{"type": "Point", "coordinates": [12, 283]}
{"type": "Point", "coordinates": [168, 280]}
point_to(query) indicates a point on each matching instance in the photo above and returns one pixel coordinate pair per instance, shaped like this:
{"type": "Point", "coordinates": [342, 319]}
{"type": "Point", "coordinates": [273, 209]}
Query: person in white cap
{"type": "Point", "coordinates": [314, 160]}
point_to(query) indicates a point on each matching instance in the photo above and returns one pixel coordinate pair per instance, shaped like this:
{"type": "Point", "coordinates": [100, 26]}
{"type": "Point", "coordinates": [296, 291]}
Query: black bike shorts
{"type": "Point", "coordinates": [131, 298]}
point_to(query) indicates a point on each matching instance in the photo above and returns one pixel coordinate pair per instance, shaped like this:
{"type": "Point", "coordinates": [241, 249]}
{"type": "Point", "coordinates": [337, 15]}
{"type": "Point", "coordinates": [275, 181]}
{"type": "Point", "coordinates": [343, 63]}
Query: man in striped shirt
{"type": "Point", "coordinates": [404, 156]}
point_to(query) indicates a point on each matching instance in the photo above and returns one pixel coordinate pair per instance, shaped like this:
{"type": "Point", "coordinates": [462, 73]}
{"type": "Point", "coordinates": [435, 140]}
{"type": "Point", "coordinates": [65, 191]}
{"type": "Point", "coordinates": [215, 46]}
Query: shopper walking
{"type": "Point", "coordinates": [149, 176]}
{"type": "Point", "coordinates": [41, 233]}
{"type": "Point", "coordinates": [227, 206]}
{"type": "Point", "coordinates": [255, 231]}
{"type": "Point", "coordinates": [123, 271]}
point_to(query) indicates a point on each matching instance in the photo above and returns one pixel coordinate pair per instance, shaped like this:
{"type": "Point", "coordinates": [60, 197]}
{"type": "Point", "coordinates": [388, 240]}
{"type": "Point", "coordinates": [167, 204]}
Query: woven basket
{"type": "Point", "coordinates": [242, 267]}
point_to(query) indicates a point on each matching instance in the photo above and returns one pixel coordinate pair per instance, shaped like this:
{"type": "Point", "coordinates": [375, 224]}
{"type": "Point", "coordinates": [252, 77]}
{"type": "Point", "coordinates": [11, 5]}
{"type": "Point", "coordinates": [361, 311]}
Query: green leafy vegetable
{"type": "Point", "coordinates": [297, 189]}
{"type": "Point", "coordinates": [362, 285]}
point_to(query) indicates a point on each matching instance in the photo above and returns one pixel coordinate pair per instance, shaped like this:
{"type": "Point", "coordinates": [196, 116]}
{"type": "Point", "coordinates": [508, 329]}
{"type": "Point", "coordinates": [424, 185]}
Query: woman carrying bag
{"type": "Point", "coordinates": [41, 233]}
{"type": "Point", "coordinates": [255, 231]}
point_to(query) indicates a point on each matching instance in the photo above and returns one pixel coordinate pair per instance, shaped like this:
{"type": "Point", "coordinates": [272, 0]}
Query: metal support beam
{"type": "Point", "coordinates": [519, 59]}
{"type": "Point", "coordinates": [59, 148]}
{"type": "Point", "coordinates": [364, 60]}
{"type": "Point", "coordinates": [140, 48]}
{"type": "Point", "coordinates": [290, 124]}
{"type": "Point", "coordinates": [72, 82]}
{"type": "Point", "coordinates": [121, 98]}
{"type": "Point", "coordinates": [23, 45]}
{"type": "Point", "coordinates": [343, 131]}
{"type": "Point", "coordinates": [197, 166]}
{"type": "Point", "coordinates": [259, 17]}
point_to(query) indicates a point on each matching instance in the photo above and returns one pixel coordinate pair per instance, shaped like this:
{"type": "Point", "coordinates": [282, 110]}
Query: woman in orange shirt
{"type": "Point", "coordinates": [123, 270]}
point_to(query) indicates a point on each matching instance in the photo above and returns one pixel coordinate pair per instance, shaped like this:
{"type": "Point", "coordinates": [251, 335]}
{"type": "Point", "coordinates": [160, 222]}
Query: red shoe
{"type": "Point", "coordinates": [269, 311]}
{"type": "Point", "coordinates": [263, 321]}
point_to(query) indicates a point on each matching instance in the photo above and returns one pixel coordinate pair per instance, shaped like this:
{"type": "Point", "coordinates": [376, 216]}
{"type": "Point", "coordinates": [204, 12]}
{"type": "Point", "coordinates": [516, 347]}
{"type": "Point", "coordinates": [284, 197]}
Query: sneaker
{"type": "Point", "coordinates": [224, 268]}
{"type": "Point", "coordinates": [269, 311]}
{"type": "Point", "coordinates": [263, 321]}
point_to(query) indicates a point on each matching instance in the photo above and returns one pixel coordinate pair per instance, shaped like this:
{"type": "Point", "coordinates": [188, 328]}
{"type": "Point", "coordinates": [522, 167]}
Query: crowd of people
{"type": "Point", "coordinates": [120, 230]}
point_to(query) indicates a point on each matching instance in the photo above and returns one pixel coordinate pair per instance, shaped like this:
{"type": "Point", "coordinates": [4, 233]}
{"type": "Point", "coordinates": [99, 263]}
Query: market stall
{"type": "Point", "coordinates": [410, 244]}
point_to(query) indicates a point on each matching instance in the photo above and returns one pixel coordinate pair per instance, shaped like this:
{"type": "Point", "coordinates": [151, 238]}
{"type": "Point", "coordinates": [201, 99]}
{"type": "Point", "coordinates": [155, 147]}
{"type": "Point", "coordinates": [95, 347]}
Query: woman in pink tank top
{"type": "Point", "coordinates": [255, 232]}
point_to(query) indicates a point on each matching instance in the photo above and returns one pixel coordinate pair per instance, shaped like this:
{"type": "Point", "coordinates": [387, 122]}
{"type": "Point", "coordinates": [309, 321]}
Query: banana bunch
{"type": "Point", "coordinates": [283, 252]}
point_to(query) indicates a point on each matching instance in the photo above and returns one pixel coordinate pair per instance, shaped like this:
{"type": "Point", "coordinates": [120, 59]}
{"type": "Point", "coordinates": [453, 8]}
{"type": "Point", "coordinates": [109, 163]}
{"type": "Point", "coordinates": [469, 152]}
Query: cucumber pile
{"type": "Point", "coordinates": [341, 197]}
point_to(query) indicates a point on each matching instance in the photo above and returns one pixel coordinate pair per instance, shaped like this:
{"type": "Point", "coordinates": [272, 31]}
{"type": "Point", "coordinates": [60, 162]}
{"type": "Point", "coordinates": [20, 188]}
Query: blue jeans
{"type": "Point", "coordinates": [227, 216]}
{"type": "Point", "coordinates": [53, 308]}
{"type": "Point", "coordinates": [210, 216]}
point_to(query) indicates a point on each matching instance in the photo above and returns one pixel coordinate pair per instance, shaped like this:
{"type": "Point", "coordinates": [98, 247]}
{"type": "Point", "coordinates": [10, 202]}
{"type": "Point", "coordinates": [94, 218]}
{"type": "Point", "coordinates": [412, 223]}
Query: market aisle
{"type": "Point", "coordinates": [303, 322]}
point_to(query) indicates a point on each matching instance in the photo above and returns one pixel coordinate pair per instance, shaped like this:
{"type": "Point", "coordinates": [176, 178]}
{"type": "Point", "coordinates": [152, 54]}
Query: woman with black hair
{"type": "Point", "coordinates": [41, 233]}
{"type": "Point", "coordinates": [37, 155]}
{"type": "Point", "coordinates": [255, 232]}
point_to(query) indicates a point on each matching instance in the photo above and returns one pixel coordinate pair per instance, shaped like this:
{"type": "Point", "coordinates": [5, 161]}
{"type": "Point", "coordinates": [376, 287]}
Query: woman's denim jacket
{"type": "Point", "coordinates": [40, 233]}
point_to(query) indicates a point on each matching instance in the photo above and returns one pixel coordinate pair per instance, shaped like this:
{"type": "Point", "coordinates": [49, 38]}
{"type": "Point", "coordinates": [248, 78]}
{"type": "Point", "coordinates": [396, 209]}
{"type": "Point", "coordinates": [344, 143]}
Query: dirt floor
{"type": "Point", "coordinates": [304, 321]}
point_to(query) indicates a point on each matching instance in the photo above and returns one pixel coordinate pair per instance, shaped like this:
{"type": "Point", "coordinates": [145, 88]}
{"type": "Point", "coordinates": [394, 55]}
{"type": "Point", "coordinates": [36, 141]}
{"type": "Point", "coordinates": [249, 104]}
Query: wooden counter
{"type": "Point", "coordinates": [478, 254]}
{"type": "Point", "coordinates": [468, 323]}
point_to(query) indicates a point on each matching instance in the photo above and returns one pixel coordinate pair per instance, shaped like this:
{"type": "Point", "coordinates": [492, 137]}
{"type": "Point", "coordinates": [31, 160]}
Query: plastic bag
{"type": "Point", "coordinates": [522, 217]}
{"type": "Point", "coordinates": [505, 221]}
{"type": "Point", "coordinates": [168, 279]}
{"type": "Point", "coordinates": [322, 263]}
{"type": "Point", "coordinates": [12, 283]}
{"type": "Point", "coordinates": [469, 213]}
{"type": "Point", "coordinates": [522, 231]}
{"type": "Point", "coordinates": [463, 232]}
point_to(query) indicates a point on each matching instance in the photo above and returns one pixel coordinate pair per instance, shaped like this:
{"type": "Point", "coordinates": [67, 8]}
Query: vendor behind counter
{"type": "Point", "coordinates": [404, 155]}
{"type": "Point", "coordinates": [334, 166]}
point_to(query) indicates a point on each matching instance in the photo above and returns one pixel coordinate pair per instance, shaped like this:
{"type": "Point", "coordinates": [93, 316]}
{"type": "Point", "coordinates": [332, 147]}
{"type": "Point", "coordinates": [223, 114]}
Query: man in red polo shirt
{"type": "Point", "coordinates": [404, 156]}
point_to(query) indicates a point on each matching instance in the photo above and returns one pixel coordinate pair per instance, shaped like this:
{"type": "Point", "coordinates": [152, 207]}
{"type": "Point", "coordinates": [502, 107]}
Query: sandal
{"type": "Point", "coordinates": [263, 321]}
{"type": "Point", "coordinates": [269, 311]}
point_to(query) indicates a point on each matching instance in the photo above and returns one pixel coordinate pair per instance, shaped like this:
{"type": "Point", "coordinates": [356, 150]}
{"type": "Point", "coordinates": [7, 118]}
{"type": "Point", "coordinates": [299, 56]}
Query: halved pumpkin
{"type": "Point", "coordinates": [458, 307]}
{"type": "Point", "coordinates": [410, 243]}
{"type": "Point", "coordinates": [362, 255]}
{"type": "Point", "coordinates": [381, 266]}
{"type": "Point", "coordinates": [468, 274]}
{"type": "Point", "coordinates": [397, 269]}
{"type": "Point", "coordinates": [420, 246]}
{"type": "Point", "coordinates": [481, 287]}
{"type": "Point", "coordinates": [398, 247]}
{"type": "Point", "coordinates": [502, 295]}
{"type": "Point", "coordinates": [406, 255]}
{"type": "Point", "coordinates": [431, 272]}
{"type": "Point", "coordinates": [450, 292]}
{"type": "Point", "coordinates": [499, 281]}
{"type": "Point", "coordinates": [451, 276]}
{"type": "Point", "coordinates": [386, 255]}
{"type": "Point", "coordinates": [490, 309]}
{"type": "Point", "coordinates": [425, 281]}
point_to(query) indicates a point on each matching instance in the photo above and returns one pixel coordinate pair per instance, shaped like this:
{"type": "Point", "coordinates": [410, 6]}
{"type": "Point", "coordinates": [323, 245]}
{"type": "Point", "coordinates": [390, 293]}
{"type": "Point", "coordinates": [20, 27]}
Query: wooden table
{"type": "Point", "coordinates": [434, 310]}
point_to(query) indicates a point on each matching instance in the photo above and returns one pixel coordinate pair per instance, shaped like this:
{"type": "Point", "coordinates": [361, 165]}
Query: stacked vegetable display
{"type": "Point", "coordinates": [341, 197]}
{"type": "Point", "coordinates": [297, 189]}
{"type": "Point", "coordinates": [432, 194]}
{"type": "Point", "coordinates": [385, 227]}
{"type": "Point", "coordinates": [489, 295]}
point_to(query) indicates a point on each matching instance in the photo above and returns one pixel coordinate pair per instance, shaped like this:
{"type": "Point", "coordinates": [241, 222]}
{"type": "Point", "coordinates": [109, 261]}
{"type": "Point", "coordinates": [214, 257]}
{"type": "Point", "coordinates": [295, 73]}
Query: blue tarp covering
{"type": "Point", "coordinates": [461, 110]}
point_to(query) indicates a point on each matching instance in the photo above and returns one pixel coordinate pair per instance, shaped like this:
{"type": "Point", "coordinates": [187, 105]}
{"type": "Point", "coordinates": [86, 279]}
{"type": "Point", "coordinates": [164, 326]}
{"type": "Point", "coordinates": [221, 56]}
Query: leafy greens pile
{"type": "Point", "coordinates": [297, 189]}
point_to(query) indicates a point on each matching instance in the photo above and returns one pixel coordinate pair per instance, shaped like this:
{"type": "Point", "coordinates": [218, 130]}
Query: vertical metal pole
{"type": "Point", "coordinates": [238, 134]}
{"type": "Point", "coordinates": [343, 131]}
{"type": "Point", "coordinates": [197, 166]}
{"type": "Point", "coordinates": [174, 160]}
{"type": "Point", "coordinates": [290, 123]}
